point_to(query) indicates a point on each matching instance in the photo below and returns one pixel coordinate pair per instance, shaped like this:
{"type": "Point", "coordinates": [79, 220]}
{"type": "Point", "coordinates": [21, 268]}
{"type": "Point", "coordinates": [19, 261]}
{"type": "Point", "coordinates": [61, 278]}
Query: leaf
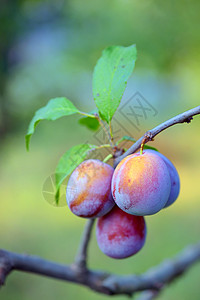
{"type": "Point", "coordinates": [55, 109]}
{"type": "Point", "coordinates": [150, 147]}
{"type": "Point", "coordinates": [69, 161]}
{"type": "Point", "coordinates": [110, 78]}
{"type": "Point", "coordinates": [126, 138]}
{"type": "Point", "coordinates": [90, 123]}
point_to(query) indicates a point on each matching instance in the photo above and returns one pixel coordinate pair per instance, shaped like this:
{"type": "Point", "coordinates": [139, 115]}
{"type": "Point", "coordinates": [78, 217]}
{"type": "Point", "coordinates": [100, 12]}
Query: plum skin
{"type": "Point", "coordinates": [141, 184]}
{"type": "Point", "coordinates": [88, 191]}
{"type": "Point", "coordinates": [120, 235]}
{"type": "Point", "coordinates": [175, 180]}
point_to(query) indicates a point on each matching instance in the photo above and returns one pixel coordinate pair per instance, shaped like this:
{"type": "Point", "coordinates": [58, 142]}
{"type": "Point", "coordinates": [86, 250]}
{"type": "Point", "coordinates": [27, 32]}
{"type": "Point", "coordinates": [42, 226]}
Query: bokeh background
{"type": "Point", "coordinates": [49, 49]}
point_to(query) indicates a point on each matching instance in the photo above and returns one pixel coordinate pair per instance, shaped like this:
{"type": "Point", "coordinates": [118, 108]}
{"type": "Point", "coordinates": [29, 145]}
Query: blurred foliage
{"type": "Point", "coordinates": [48, 49]}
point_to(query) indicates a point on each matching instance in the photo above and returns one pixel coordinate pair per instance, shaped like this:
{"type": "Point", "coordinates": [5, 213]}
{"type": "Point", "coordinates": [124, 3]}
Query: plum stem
{"type": "Point", "coordinates": [142, 145]}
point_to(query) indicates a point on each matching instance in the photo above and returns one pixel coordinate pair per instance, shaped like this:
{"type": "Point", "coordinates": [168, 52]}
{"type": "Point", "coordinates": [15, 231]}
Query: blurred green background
{"type": "Point", "coordinates": [48, 49]}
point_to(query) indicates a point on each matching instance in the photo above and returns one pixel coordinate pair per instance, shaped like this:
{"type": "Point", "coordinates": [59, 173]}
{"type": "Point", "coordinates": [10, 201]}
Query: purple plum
{"type": "Point", "coordinates": [141, 184]}
{"type": "Point", "coordinates": [120, 235]}
{"type": "Point", "coordinates": [89, 189]}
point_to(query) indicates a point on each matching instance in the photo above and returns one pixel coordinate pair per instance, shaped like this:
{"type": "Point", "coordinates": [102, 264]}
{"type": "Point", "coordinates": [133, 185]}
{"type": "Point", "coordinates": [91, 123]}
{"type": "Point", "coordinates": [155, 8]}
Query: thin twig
{"type": "Point", "coordinates": [81, 257]}
{"type": "Point", "coordinates": [111, 133]}
{"type": "Point", "coordinates": [149, 135]}
{"type": "Point", "coordinates": [105, 130]}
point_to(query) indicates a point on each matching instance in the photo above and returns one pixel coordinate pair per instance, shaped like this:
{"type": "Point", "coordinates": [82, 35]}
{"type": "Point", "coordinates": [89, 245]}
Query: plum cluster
{"type": "Point", "coordinates": [141, 185]}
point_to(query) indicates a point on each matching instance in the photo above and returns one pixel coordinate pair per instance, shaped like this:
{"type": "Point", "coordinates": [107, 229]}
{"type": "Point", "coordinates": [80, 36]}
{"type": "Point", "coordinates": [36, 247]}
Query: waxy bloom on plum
{"type": "Point", "coordinates": [89, 189]}
{"type": "Point", "coordinates": [175, 180]}
{"type": "Point", "coordinates": [120, 235]}
{"type": "Point", "coordinates": [141, 184]}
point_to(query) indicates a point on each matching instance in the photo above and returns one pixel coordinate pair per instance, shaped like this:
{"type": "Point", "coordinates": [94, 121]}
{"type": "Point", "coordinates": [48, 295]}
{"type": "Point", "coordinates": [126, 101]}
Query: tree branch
{"type": "Point", "coordinates": [81, 257]}
{"type": "Point", "coordinates": [185, 117]}
{"type": "Point", "coordinates": [158, 276]}
{"type": "Point", "coordinates": [155, 279]}
{"type": "Point", "coordinates": [33, 264]}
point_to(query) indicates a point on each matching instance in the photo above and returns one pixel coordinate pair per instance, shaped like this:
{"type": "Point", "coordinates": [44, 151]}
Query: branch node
{"type": "Point", "coordinates": [188, 120]}
{"type": "Point", "coordinates": [148, 136]}
{"type": "Point", "coordinates": [117, 152]}
{"type": "Point", "coordinates": [81, 271]}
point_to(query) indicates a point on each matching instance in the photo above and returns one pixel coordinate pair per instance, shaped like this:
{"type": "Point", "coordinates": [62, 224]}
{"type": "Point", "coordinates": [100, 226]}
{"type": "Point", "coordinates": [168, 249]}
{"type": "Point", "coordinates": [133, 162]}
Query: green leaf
{"type": "Point", "coordinates": [90, 123]}
{"type": "Point", "coordinates": [55, 109]}
{"type": "Point", "coordinates": [110, 78]}
{"type": "Point", "coordinates": [69, 161]}
{"type": "Point", "coordinates": [126, 138]}
{"type": "Point", "coordinates": [150, 147]}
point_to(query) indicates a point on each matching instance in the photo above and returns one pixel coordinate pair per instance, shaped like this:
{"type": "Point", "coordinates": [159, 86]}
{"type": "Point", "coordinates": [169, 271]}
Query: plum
{"type": "Point", "coordinates": [89, 189]}
{"type": "Point", "coordinates": [120, 235]}
{"type": "Point", "coordinates": [141, 184]}
{"type": "Point", "coordinates": [175, 180]}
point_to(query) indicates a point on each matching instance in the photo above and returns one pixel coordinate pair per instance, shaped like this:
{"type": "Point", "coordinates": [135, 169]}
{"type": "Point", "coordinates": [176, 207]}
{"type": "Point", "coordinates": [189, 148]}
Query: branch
{"type": "Point", "coordinates": [185, 117]}
{"type": "Point", "coordinates": [155, 279]}
{"type": "Point", "coordinates": [81, 257]}
{"type": "Point", "coordinates": [32, 264]}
